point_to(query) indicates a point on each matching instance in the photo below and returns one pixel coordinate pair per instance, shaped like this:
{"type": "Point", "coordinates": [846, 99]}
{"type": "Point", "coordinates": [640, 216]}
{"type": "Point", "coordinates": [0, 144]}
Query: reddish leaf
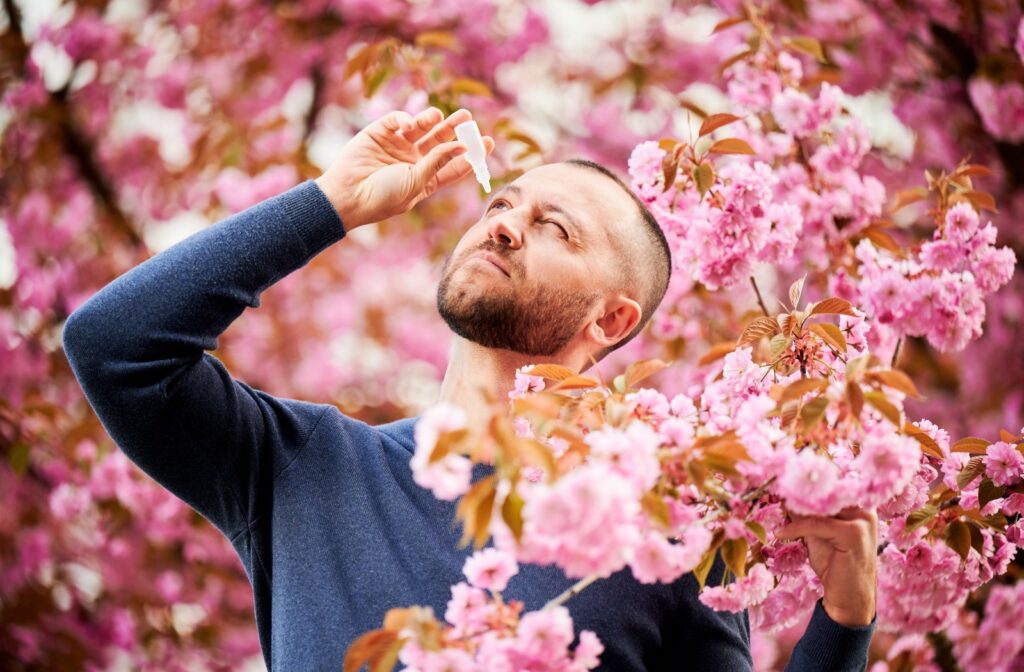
{"type": "Point", "coordinates": [833, 306]}
{"type": "Point", "coordinates": [757, 329]}
{"type": "Point", "coordinates": [970, 444]}
{"type": "Point", "coordinates": [731, 146]}
{"type": "Point", "coordinates": [716, 121]}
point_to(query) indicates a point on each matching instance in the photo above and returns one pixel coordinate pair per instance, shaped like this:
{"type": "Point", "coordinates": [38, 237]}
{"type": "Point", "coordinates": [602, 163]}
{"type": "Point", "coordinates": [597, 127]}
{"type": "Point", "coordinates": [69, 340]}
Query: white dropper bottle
{"type": "Point", "coordinates": [468, 133]}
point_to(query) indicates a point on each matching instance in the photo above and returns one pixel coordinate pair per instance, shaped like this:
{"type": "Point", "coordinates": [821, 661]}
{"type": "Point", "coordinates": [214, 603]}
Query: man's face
{"type": "Point", "coordinates": [528, 275]}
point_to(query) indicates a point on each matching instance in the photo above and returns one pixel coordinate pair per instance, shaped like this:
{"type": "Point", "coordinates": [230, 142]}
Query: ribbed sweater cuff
{"type": "Point", "coordinates": [828, 645]}
{"type": "Point", "coordinates": [313, 217]}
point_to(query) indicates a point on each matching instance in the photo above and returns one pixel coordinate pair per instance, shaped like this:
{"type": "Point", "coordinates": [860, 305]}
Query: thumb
{"type": "Point", "coordinates": [430, 165]}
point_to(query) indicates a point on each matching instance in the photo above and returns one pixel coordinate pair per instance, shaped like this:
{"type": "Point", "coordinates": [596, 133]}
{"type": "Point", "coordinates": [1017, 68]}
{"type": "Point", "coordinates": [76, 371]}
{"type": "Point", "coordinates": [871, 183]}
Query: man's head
{"type": "Point", "coordinates": [564, 259]}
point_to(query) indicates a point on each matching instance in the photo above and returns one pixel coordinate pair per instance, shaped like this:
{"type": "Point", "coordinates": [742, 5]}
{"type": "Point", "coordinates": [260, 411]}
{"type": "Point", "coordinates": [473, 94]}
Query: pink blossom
{"type": "Point", "coordinates": [1004, 464]}
{"type": "Point", "coordinates": [742, 593]}
{"type": "Point", "coordinates": [490, 569]}
{"type": "Point", "coordinates": [525, 383]}
{"type": "Point", "coordinates": [809, 485]}
{"type": "Point", "coordinates": [448, 477]}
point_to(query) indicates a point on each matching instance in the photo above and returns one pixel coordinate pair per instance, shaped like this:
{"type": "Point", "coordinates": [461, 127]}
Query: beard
{"type": "Point", "coordinates": [539, 323]}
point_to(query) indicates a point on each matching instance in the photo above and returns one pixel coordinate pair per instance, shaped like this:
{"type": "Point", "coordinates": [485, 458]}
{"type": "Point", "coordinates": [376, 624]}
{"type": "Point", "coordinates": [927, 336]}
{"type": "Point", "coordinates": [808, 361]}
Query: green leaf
{"type": "Point", "coordinates": [704, 177]}
{"type": "Point", "coordinates": [758, 530]}
{"type": "Point", "coordinates": [18, 457]}
{"type": "Point", "coordinates": [916, 519]}
{"type": "Point", "coordinates": [807, 45]}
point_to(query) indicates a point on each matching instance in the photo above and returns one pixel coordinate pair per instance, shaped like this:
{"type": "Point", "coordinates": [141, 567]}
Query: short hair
{"type": "Point", "coordinates": [647, 257]}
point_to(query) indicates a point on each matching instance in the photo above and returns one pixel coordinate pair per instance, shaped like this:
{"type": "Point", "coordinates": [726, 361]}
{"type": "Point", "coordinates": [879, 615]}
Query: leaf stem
{"type": "Point", "coordinates": [895, 354]}
{"type": "Point", "coordinates": [760, 300]}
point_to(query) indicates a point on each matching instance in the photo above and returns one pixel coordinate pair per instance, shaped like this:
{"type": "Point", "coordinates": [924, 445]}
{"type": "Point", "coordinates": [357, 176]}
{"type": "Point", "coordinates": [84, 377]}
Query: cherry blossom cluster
{"type": "Point", "coordinates": [799, 418]}
{"type": "Point", "coordinates": [482, 632]}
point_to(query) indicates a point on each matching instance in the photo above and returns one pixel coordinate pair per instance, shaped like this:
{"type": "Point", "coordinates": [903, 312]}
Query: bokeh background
{"type": "Point", "coordinates": [128, 125]}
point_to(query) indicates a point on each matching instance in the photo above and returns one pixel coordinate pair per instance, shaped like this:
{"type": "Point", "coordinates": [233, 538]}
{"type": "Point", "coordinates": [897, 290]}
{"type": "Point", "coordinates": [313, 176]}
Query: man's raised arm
{"type": "Point", "coordinates": [138, 345]}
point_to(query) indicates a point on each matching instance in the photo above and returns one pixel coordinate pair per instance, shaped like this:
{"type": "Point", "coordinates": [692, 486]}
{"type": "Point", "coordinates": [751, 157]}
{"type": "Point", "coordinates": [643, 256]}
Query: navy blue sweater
{"type": "Point", "coordinates": [322, 508]}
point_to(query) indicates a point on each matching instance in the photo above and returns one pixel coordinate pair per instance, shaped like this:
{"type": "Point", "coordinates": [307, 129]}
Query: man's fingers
{"type": "Point", "coordinates": [395, 121]}
{"type": "Point", "coordinates": [431, 164]}
{"type": "Point", "coordinates": [422, 124]}
{"type": "Point", "coordinates": [443, 132]}
{"type": "Point", "coordinates": [829, 529]}
{"type": "Point", "coordinates": [459, 167]}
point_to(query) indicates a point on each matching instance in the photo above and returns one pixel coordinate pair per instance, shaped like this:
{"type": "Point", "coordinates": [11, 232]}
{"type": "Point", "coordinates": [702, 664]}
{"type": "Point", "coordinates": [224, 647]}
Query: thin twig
{"type": "Point", "coordinates": [760, 301]}
{"type": "Point", "coordinates": [571, 592]}
{"type": "Point", "coordinates": [895, 354]}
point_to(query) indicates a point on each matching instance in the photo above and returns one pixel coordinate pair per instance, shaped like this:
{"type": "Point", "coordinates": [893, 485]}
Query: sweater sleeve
{"type": "Point", "coordinates": [137, 348]}
{"type": "Point", "coordinates": [828, 646]}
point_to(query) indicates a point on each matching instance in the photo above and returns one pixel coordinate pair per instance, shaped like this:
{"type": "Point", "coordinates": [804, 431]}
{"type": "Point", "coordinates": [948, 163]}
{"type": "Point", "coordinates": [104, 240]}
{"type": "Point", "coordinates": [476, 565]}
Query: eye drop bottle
{"type": "Point", "coordinates": [468, 133]}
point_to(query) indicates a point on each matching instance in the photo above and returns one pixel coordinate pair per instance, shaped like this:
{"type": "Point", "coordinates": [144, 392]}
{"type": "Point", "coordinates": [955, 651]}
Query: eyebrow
{"type": "Point", "coordinates": [546, 205]}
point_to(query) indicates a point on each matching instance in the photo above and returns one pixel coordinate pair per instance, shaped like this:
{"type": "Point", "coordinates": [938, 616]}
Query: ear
{"type": "Point", "coordinates": [620, 317]}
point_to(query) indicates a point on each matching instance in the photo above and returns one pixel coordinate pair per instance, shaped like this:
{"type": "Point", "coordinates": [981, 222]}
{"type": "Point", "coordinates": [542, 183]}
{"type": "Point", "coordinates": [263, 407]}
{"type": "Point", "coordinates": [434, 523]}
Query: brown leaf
{"type": "Point", "coordinates": [536, 453]}
{"type": "Point", "coordinates": [512, 513]}
{"type": "Point", "coordinates": [716, 121]}
{"type": "Point", "coordinates": [958, 537]}
{"type": "Point", "coordinates": [807, 45]}
{"type": "Point", "coordinates": [812, 413]}
{"type": "Point", "coordinates": [970, 444]}
{"type": "Point", "coordinates": [574, 383]}
{"type": "Point", "coordinates": [758, 328]}
{"type": "Point", "coordinates": [667, 144]}
{"type": "Point", "coordinates": [472, 87]}
{"type": "Point", "coordinates": [855, 397]}
{"type": "Point", "coordinates": [988, 491]}
{"type": "Point", "coordinates": [928, 444]}
{"type": "Point", "coordinates": [908, 196]}
{"type": "Point", "coordinates": [974, 170]}
{"type": "Point", "coordinates": [734, 553]}
{"type": "Point", "coordinates": [469, 508]}
{"type": "Point", "coordinates": [727, 23]}
{"type": "Point", "coordinates": [880, 239]}
{"type": "Point", "coordinates": [831, 334]}
{"type": "Point", "coordinates": [641, 370]}
{"type": "Point", "coordinates": [981, 200]}
{"type": "Point", "coordinates": [758, 530]}
{"type": "Point", "coordinates": [731, 146]}
{"type": "Point", "coordinates": [833, 306]}
{"type": "Point", "coordinates": [734, 59]}
{"type": "Point", "coordinates": [716, 352]}
{"type": "Point", "coordinates": [975, 467]}
{"type": "Point", "coordinates": [669, 168]}
{"type": "Point", "coordinates": [368, 648]}
{"type": "Point", "coordinates": [656, 509]}
{"type": "Point", "coordinates": [552, 371]}
{"type": "Point", "coordinates": [799, 388]}
{"type": "Point", "coordinates": [883, 406]}
{"type": "Point", "coordinates": [438, 39]}
{"type": "Point", "coordinates": [1007, 437]}
{"type": "Point", "coordinates": [895, 379]}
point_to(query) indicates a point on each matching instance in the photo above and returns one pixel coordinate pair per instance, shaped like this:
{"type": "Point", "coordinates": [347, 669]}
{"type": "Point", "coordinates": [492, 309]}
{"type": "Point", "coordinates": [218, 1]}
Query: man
{"type": "Point", "coordinates": [322, 509]}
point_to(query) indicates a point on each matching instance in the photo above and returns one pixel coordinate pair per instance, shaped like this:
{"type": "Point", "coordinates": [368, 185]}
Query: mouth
{"type": "Point", "coordinates": [492, 259]}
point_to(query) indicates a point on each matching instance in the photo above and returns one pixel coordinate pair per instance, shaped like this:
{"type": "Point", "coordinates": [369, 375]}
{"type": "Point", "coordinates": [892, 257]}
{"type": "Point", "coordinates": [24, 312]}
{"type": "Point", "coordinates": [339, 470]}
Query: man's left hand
{"type": "Point", "coordinates": [843, 551]}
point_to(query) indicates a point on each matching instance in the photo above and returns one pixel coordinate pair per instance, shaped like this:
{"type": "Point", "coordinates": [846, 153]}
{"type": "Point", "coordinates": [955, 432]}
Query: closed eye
{"type": "Point", "coordinates": [565, 234]}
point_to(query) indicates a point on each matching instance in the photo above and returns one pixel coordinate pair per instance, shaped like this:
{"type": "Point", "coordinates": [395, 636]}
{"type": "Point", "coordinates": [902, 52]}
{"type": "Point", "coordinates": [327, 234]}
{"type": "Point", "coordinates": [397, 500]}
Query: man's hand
{"type": "Point", "coordinates": [395, 162]}
{"type": "Point", "coordinates": [843, 552]}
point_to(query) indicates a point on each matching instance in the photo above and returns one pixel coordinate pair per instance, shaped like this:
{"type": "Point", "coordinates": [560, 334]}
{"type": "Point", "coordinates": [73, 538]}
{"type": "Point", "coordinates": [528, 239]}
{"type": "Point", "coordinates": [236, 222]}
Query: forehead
{"type": "Point", "coordinates": [593, 199]}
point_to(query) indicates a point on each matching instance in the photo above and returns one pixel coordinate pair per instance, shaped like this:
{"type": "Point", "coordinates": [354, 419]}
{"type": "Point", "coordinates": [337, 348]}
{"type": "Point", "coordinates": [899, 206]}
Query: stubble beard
{"type": "Point", "coordinates": [538, 324]}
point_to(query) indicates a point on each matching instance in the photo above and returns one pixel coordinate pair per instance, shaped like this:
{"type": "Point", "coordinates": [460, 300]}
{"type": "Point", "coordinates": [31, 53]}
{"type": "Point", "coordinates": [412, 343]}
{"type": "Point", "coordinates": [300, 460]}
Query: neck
{"type": "Point", "coordinates": [476, 373]}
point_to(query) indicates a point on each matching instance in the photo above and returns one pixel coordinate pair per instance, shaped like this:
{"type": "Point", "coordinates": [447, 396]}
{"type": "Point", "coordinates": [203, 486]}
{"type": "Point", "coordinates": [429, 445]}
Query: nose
{"type": "Point", "coordinates": [503, 230]}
